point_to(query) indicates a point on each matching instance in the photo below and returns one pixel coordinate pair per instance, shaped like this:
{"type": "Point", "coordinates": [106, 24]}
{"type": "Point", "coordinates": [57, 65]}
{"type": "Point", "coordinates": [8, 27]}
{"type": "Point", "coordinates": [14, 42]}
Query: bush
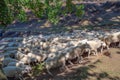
{"type": "Point", "coordinates": [5, 14]}
{"type": "Point", "coordinates": [37, 69]}
{"type": "Point", "coordinates": [50, 9]}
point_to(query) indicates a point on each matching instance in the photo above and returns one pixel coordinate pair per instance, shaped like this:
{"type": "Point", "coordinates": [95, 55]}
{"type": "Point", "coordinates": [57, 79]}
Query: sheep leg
{"type": "Point", "coordinates": [119, 45]}
{"type": "Point", "coordinates": [20, 76]}
{"type": "Point", "coordinates": [48, 71]}
{"type": "Point", "coordinates": [96, 52]}
{"type": "Point", "coordinates": [89, 53]}
{"type": "Point", "coordinates": [64, 66]}
{"type": "Point", "coordinates": [107, 47]}
{"type": "Point", "coordinates": [70, 62]}
{"type": "Point", "coordinates": [80, 59]}
{"type": "Point", "coordinates": [101, 50]}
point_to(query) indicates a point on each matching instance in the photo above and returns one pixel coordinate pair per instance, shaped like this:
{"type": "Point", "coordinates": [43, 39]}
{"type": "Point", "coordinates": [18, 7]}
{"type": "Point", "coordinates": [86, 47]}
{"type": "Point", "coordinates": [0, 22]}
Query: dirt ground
{"type": "Point", "coordinates": [101, 67]}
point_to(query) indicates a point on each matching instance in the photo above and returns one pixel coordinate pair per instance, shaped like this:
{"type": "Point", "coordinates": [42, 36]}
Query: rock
{"type": "Point", "coordinates": [10, 48]}
{"type": "Point", "coordinates": [1, 32]}
{"type": "Point", "coordinates": [11, 39]}
{"type": "Point", "coordinates": [16, 34]}
{"type": "Point", "coordinates": [8, 33]}
{"type": "Point", "coordinates": [85, 23]}
{"type": "Point", "coordinates": [13, 44]}
{"type": "Point", "coordinates": [2, 47]}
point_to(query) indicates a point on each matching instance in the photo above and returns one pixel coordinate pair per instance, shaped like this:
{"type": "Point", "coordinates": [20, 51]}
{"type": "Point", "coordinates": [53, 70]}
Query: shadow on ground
{"type": "Point", "coordinates": [97, 15]}
{"type": "Point", "coordinates": [81, 73]}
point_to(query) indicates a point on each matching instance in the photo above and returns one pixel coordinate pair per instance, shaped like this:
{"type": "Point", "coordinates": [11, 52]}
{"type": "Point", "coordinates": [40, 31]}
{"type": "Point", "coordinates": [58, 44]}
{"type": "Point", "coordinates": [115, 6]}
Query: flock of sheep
{"type": "Point", "coordinates": [55, 50]}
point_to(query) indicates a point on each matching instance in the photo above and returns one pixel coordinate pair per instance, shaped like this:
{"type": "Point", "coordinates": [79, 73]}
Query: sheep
{"type": "Point", "coordinates": [28, 60]}
{"type": "Point", "coordinates": [55, 62]}
{"type": "Point", "coordinates": [79, 52]}
{"type": "Point", "coordinates": [107, 40]}
{"type": "Point", "coordinates": [19, 55]}
{"type": "Point", "coordinates": [94, 45]}
{"type": "Point", "coordinates": [112, 39]}
{"type": "Point", "coordinates": [44, 45]}
{"type": "Point", "coordinates": [24, 50]}
{"type": "Point", "coordinates": [85, 48]}
{"type": "Point", "coordinates": [103, 46]}
{"type": "Point", "coordinates": [71, 54]}
{"type": "Point", "coordinates": [7, 60]}
{"type": "Point", "coordinates": [75, 43]}
{"type": "Point", "coordinates": [53, 49]}
{"type": "Point", "coordinates": [13, 71]}
{"type": "Point", "coordinates": [36, 56]}
{"type": "Point", "coordinates": [119, 41]}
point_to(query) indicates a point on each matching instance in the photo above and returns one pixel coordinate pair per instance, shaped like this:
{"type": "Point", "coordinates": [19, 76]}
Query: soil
{"type": "Point", "coordinates": [105, 66]}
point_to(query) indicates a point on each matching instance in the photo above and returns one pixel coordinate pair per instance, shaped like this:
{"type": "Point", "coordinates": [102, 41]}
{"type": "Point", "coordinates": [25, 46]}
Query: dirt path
{"type": "Point", "coordinates": [102, 67]}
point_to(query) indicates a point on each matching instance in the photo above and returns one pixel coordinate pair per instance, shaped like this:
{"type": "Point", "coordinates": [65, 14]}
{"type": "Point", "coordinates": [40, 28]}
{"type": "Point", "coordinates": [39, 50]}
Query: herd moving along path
{"type": "Point", "coordinates": [19, 54]}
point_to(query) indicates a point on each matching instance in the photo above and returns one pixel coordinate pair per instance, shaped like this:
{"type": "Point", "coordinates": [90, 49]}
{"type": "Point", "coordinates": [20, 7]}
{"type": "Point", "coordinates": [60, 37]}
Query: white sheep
{"type": "Point", "coordinates": [24, 50]}
{"type": "Point", "coordinates": [36, 56]}
{"type": "Point", "coordinates": [55, 62]}
{"type": "Point", "coordinates": [70, 54]}
{"type": "Point", "coordinates": [19, 55]}
{"type": "Point", "coordinates": [79, 52]}
{"type": "Point", "coordinates": [93, 46]}
{"type": "Point", "coordinates": [28, 60]}
{"type": "Point", "coordinates": [53, 49]}
{"type": "Point", "coordinates": [112, 39]}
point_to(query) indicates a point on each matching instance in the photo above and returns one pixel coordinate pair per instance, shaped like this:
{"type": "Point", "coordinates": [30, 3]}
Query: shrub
{"type": "Point", "coordinates": [50, 9]}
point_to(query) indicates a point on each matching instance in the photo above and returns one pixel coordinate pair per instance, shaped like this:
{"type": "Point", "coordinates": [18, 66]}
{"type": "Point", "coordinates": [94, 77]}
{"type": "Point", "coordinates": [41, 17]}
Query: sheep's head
{"type": "Point", "coordinates": [44, 57]}
{"type": "Point", "coordinates": [28, 68]}
{"type": "Point", "coordinates": [103, 44]}
{"type": "Point", "coordinates": [108, 39]}
{"type": "Point", "coordinates": [86, 47]}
